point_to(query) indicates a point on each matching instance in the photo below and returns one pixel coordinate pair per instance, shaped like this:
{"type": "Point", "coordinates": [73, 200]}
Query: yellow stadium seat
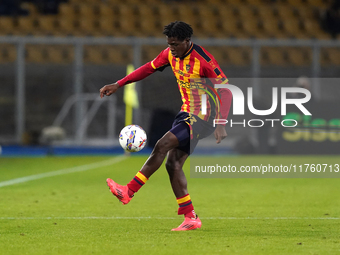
{"type": "Point", "coordinates": [285, 12]}
{"type": "Point", "coordinates": [293, 28]}
{"type": "Point", "coordinates": [146, 11]}
{"type": "Point", "coordinates": [219, 53]}
{"type": "Point", "coordinates": [297, 3]}
{"type": "Point", "coordinates": [67, 10]}
{"type": "Point", "coordinates": [93, 54]}
{"type": "Point", "coordinates": [256, 2]}
{"type": "Point", "coordinates": [86, 10]}
{"type": "Point", "coordinates": [252, 28]}
{"type": "Point", "coordinates": [272, 28]}
{"type": "Point", "coordinates": [118, 54]}
{"type": "Point", "coordinates": [113, 2]}
{"type": "Point", "coordinates": [88, 26]}
{"type": "Point", "coordinates": [126, 11]}
{"type": "Point", "coordinates": [299, 56]}
{"type": "Point", "coordinates": [313, 30]}
{"type": "Point", "coordinates": [150, 27]}
{"type": "Point", "coordinates": [246, 12]}
{"type": "Point", "coordinates": [306, 12]}
{"type": "Point", "coordinates": [148, 22]}
{"type": "Point", "coordinates": [272, 56]}
{"type": "Point", "coordinates": [7, 25]}
{"type": "Point", "coordinates": [60, 54]}
{"type": "Point", "coordinates": [127, 27]}
{"type": "Point", "coordinates": [214, 2]}
{"type": "Point", "coordinates": [66, 26]}
{"type": "Point", "coordinates": [239, 56]}
{"type": "Point", "coordinates": [231, 27]}
{"type": "Point", "coordinates": [149, 53]}
{"type": "Point", "coordinates": [107, 26]}
{"type": "Point", "coordinates": [186, 13]}
{"type": "Point", "coordinates": [330, 56]}
{"type": "Point", "coordinates": [46, 24]}
{"type": "Point", "coordinates": [209, 28]}
{"type": "Point", "coordinates": [26, 26]}
{"type": "Point", "coordinates": [8, 53]}
{"type": "Point", "coordinates": [105, 10]}
{"type": "Point", "coordinates": [236, 2]}
{"type": "Point", "coordinates": [165, 13]}
{"type": "Point", "coordinates": [135, 2]}
{"type": "Point", "coordinates": [151, 1]}
{"type": "Point", "coordinates": [317, 3]}
{"type": "Point", "coordinates": [206, 12]}
{"type": "Point", "coordinates": [226, 12]}
{"type": "Point", "coordinates": [36, 54]}
{"type": "Point", "coordinates": [266, 12]}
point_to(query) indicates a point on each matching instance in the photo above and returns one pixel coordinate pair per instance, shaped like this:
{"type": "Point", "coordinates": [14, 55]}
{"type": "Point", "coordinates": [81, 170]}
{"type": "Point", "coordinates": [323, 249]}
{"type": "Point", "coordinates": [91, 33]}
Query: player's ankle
{"type": "Point", "coordinates": [130, 193]}
{"type": "Point", "coordinates": [191, 214]}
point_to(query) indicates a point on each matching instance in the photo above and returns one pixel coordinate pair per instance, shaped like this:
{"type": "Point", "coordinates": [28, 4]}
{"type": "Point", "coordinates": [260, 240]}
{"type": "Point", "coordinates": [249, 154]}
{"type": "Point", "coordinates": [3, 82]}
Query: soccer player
{"type": "Point", "coordinates": [196, 71]}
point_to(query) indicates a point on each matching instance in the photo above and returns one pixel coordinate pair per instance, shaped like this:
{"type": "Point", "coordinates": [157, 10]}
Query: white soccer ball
{"type": "Point", "coordinates": [132, 138]}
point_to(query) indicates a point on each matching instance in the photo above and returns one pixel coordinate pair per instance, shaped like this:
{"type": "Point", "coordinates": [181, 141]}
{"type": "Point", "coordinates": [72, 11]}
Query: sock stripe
{"type": "Point", "coordinates": [184, 199]}
{"type": "Point", "coordinates": [186, 204]}
{"type": "Point", "coordinates": [138, 181]}
{"type": "Point", "coordinates": [141, 177]}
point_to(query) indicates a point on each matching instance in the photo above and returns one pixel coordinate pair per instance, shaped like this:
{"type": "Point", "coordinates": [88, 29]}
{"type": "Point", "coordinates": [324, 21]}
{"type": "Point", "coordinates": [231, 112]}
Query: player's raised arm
{"type": "Point", "coordinates": [137, 75]}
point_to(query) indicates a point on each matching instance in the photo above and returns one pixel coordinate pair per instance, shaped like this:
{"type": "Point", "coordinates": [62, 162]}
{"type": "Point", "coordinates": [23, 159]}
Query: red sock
{"type": "Point", "coordinates": [185, 206]}
{"type": "Point", "coordinates": [136, 183]}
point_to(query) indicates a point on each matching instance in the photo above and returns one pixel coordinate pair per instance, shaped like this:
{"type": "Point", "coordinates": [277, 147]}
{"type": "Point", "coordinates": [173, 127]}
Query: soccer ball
{"type": "Point", "coordinates": [132, 138]}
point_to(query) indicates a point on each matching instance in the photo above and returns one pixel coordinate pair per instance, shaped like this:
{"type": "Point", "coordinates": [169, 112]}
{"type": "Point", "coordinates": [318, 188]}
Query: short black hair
{"type": "Point", "coordinates": [178, 29]}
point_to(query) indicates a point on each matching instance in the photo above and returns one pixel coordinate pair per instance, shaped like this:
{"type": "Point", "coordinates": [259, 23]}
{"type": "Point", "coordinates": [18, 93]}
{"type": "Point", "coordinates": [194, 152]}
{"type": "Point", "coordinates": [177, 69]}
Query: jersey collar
{"type": "Point", "coordinates": [189, 51]}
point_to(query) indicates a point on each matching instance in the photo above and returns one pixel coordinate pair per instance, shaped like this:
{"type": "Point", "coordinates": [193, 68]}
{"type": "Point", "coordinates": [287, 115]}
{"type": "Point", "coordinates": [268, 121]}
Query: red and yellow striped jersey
{"type": "Point", "coordinates": [196, 72]}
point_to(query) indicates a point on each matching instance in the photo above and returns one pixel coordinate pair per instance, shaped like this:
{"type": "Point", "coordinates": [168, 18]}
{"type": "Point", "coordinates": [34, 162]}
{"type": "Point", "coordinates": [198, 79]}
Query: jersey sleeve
{"type": "Point", "coordinates": [158, 64]}
{"type": "Point", "coordinates": [161, 61]}
{"type": "Point", "coordinates": [212, 71]}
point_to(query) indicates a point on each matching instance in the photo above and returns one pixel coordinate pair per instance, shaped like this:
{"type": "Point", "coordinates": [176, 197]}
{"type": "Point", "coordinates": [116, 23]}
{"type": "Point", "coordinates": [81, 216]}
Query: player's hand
{"type": "Point", "coordinates": [108, 90]}
{"type": "Point", "coordinates": [220, 133]}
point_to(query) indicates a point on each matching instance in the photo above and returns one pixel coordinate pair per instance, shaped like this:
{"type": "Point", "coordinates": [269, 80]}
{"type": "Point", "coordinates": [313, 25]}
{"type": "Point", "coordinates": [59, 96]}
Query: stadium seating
{"type": "Point", "coordinates": [7, 25]}
{"type": "Point", "coordinates": [282, 19]}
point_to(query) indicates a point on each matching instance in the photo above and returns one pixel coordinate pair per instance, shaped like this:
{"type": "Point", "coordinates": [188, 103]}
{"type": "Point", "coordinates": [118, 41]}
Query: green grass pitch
{"type": "Point", "coordinates": [73, 212]}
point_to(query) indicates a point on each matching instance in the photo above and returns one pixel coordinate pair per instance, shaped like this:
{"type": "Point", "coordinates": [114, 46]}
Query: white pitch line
{"type": "Point", "coordinates": [166, 218]}
{"type": "Point", "coordinates": [63, 171]}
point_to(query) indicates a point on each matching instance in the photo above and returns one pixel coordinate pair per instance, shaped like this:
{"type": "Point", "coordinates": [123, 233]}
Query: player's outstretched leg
{"type": "Point", "coordinates": [174, 164]}
{"type": "Point", "coordinates": [125, 193]}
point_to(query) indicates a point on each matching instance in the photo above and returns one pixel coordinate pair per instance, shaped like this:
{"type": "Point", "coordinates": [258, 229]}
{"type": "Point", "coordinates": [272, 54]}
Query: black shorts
{"type": "Point", "coordinates": [189, 129]}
